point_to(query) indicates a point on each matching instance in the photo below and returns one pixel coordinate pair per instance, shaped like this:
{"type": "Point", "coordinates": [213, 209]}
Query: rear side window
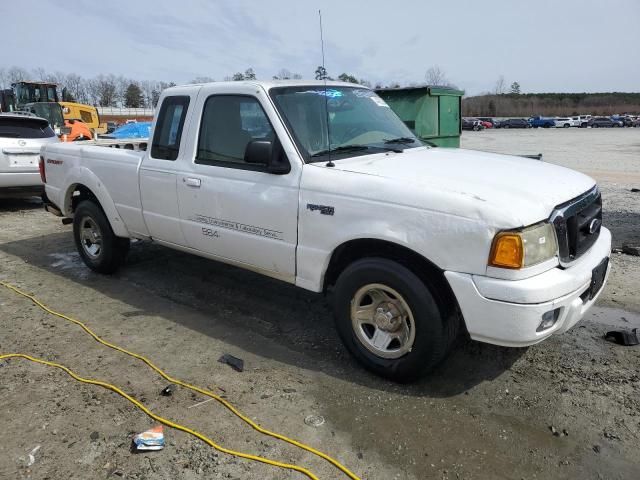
{"type": "Point", "coordinates": [168, 131]}
{"type": "Point", "coordinates": [11, 127]}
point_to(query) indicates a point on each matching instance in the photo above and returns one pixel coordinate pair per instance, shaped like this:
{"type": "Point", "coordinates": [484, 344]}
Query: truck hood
{"type": "Point", "coordinates": [503, 189]}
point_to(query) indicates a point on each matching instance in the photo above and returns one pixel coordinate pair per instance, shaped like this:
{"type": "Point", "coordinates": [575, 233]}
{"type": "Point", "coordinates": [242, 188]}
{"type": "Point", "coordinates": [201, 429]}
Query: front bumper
{"type": "Point", "coordinates": [508, 312]}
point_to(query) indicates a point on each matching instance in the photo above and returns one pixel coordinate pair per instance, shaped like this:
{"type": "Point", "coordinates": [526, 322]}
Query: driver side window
{"type": "Point", "coordinates": [229, 123]}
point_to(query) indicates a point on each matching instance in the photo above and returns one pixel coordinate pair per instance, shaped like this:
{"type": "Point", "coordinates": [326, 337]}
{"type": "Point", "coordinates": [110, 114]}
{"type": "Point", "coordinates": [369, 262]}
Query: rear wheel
{"type": "Point", "coordinates": [100, 249]}
{"type": "Point", "coordinates": [389, 319]}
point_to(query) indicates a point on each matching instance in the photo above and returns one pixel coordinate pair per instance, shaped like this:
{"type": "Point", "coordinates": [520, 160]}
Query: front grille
{"type": "Point", "coordinates": [577, 223]}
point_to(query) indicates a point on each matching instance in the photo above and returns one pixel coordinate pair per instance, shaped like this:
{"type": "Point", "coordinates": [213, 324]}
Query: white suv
{"type": "Point", "coordinates": [21, 136]}
{"type": "Point", "coordinates": [563, 122]}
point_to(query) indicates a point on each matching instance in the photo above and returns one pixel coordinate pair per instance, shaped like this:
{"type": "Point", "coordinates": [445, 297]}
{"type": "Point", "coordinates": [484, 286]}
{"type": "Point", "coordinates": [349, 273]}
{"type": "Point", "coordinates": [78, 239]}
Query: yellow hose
{"type": "Point", "coordinates": [176, 381]}
{"type": "Point", "coordinates": [160, 419]}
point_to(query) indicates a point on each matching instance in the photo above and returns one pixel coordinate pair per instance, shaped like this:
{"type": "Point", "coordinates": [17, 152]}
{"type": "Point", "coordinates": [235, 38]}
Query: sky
{"type": "Point", "coordinates": [544, 45]}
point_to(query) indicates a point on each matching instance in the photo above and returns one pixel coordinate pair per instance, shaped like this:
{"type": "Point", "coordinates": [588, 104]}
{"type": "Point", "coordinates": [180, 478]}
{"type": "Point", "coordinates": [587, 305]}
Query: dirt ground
{"type": "Point", "coordinates": [488, 413]}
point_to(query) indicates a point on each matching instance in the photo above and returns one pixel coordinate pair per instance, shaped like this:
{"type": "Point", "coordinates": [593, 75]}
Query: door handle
{"type": "Point", "coordinates": [192, 182]}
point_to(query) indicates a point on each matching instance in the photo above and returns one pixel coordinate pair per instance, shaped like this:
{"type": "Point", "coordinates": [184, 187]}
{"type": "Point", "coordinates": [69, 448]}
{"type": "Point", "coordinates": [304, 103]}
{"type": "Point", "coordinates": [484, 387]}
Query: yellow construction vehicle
{"type": "Point", "coordinates": [85, 113]}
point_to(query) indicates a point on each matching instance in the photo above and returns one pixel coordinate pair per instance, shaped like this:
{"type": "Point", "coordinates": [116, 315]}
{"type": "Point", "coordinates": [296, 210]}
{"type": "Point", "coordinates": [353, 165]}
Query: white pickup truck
{"type": "Point", "coordinates": [414, 243]}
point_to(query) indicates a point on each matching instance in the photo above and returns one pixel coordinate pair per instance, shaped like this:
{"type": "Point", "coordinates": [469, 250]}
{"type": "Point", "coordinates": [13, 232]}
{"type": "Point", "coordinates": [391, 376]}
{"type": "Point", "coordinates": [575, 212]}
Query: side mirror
{"type": "Point", "coordinates": [258, 152]}
{"type": "Point", "coordinates": [272, 156]}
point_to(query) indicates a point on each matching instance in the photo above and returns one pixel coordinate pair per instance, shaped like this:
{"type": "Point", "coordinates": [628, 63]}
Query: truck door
{"type": "Point", "coordinates": [158, 172]}
{"type": "Point", "coordinates": [230, 209]}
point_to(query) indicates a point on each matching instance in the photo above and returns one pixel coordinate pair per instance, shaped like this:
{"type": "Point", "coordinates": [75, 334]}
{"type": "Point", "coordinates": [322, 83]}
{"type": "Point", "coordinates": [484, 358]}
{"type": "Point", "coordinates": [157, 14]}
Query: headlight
{"type": "Point", "coordinates": [524, 248]}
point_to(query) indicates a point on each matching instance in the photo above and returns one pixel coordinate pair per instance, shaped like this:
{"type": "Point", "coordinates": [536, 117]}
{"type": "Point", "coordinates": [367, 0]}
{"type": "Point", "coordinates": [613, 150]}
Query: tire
{"type": "Point", "coordinates": [595, 125]}
{"type": "Point", "coordinates": [410, 311]}
{"type": "Point", "coordinates": [101, 250]}
{"type": "Point", "coordinates": [505, 126]}
{"type": "Point", "coordinates": [566, 125]}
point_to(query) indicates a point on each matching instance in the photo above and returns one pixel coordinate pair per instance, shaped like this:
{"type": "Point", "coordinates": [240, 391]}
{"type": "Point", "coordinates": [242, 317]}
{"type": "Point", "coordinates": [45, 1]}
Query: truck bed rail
{"type": "Point", "coordinates": [139, 144]}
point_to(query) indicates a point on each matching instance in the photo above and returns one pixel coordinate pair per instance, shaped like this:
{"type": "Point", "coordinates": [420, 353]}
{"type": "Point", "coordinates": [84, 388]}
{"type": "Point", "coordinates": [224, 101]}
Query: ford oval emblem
{"type": "Point", "coordinates": [594, 225]}
{"type": "Point", "coordinates": [22, 143]}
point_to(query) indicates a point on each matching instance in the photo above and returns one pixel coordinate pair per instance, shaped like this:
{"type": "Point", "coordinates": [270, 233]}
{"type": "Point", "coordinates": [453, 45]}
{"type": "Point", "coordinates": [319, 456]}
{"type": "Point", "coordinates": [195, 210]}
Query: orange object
{"type": "Point", "coordinates": [79, 131]}
{"type": "Point", "coordinates": [507, 251]}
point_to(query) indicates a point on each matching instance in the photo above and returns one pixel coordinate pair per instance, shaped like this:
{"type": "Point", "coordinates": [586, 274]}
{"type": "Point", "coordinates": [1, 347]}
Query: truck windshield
{"type": "Point", "coordinates": [360, 122]}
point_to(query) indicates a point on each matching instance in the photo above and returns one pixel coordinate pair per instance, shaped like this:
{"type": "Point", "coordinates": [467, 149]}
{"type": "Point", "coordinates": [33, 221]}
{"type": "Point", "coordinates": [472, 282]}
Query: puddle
{"type": "Point", "coordinates": [70, 261]}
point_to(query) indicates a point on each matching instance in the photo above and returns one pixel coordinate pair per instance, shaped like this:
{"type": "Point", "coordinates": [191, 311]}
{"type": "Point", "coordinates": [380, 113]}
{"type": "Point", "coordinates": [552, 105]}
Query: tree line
{"type": "Point", "coordinates": [108, 90]}
{"type": "Point", "coordinates": [550, 104]}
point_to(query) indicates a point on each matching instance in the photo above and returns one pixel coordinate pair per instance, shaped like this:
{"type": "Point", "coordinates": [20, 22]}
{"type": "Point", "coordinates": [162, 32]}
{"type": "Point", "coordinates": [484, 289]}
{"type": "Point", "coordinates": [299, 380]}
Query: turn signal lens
{"type": "Point", "coordinates": [507, 251]}
{"type": "Point", "coordinates": [524, 248]}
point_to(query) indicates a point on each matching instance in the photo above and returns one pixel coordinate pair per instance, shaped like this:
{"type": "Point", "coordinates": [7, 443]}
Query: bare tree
{"type": "Point", "coordinates": [103, 90]}
{"type": "Point", "coordinates": [16, 74]}
{"type": "Point", "coordinates": [3, 78]}
{"type": "Point", "coordinates": [122, 84]}
{"type": "Point", "coordinates": [283, 74]}
{"type": "Point", "coordinates": [40, 74]}
{"type": "Point", "coordinates": [500, 86]}
{"type": "Point", "coordinates": [436, 76]}
{"type": "Point", "coordinates": [76, 85]}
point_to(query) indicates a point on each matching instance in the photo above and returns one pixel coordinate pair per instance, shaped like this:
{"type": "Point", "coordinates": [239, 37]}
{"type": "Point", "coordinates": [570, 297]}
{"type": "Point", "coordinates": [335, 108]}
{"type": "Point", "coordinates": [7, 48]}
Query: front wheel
{"type": "Point", "coordinates": [389, 319]}
{"type": "Point", "coordinates": [100, 249]}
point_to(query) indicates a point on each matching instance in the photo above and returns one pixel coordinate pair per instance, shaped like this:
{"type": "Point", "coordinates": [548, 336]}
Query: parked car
{"type": "Point", "coordinates": [563, 122]}
{"type": "Point", "coordinates": [544, 122]}
{"type": "Point", "coordinates": [515, 123]}
{"type": "Point", "coordinates": [415, 244]}
{"type": "Point", "coordinates": [490, 120]}
{"type": "Point", "coordinates": [583, 121]}
{"type": "Point", "coordinates": [472, 124]}
{"type": "Point", "coordinates": [636, 122]}
{"type": "Point", "coordinates": [21, 136]}
{"type": "Point", "coordinates": [602, 122]}
{"type": "Point", "coordinates": [623, 120]}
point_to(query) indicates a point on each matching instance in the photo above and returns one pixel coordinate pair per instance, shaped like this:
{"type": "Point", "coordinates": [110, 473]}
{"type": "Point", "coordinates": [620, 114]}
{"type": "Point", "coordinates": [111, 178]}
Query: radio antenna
{"type": "Point", "coordinates": [326, 99]}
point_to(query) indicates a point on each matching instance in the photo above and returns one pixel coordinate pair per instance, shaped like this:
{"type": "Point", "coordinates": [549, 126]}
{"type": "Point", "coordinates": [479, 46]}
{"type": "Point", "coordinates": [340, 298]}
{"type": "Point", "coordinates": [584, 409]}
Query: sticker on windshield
{"type": "Point", "coordinates": [363, 93]}
{"type": "Point", "coordinates": [378, 101]}
{"type": "Point", "coordinates": [329, 93]}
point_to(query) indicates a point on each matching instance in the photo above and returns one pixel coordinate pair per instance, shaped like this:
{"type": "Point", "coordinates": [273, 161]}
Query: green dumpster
{"type": "Point", "coordinates": [432, 113]}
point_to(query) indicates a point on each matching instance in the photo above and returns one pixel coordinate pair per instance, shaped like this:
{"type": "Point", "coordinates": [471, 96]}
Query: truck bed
{"type": "Point", "coordinates": [109, 170]}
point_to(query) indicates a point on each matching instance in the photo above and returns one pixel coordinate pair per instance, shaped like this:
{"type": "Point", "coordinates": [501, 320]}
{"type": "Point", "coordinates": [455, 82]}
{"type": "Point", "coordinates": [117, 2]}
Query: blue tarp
{"type": "Point", "coordinates": [132, 130]}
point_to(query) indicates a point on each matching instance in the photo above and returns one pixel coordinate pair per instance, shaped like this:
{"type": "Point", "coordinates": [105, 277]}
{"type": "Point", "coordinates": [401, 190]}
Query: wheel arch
{"type": "Point", "coordinates": [432, 275]}
{"type": "Point", "coordinates": [80, 191]}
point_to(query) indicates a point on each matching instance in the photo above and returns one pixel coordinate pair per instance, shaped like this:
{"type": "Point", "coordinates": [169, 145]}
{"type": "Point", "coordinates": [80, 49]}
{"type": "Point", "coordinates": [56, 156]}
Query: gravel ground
{"type": "Point", "coordinates": [488, 413]}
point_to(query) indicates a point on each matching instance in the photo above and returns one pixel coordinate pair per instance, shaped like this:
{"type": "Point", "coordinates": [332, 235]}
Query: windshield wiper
{"type": "Point", "coordinates": [404, 140]}
{"type": "Point", "coordinates": [353, 148]}
{"type": "Point", "coordinates": [343, 148]}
